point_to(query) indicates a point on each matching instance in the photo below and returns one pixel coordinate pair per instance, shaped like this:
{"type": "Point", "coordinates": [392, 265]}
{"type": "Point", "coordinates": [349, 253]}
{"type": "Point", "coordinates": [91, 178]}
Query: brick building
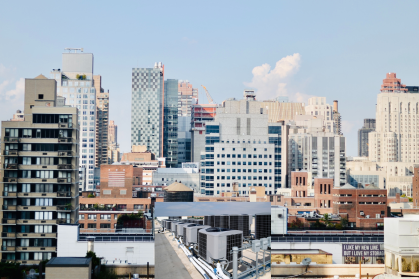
{"type": "Point", "coordinates": [364, 207]}
{"type": "Point", "coordinates": [116, 181]}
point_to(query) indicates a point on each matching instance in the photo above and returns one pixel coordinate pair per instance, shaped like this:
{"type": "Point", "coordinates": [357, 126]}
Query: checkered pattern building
{"type": "Point", "coordinates": [146, 107]}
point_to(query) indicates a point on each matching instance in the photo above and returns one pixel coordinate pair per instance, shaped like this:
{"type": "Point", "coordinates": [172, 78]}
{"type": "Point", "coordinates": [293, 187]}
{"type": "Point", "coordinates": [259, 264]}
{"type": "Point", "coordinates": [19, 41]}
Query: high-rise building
{"type": "Point", "coordinates": [281, 109]}
{"type": "Point", "coordinates": [39, 174]}
{"type": "Point", "coordinates": [102, 115]}
{"type": "Point", "coordinates": [337, 119]}
{"type": "Point", "coordinates": [188, 96]}
{"type": "Point", "coordinates": [318, 108]}
{"type": "Point", "coordinates": [75, 82]}
{"type": "Point", "coordinates": [201, 114]}
{"type": "Point", "coordinates": [184, 140]}
{"type": "Point", "coordinates": [369, 126]}
{"type": "Point", "coordinates": [113, 132]}
{"type": "Point", "coordinates": [242, 147]}
{"type": "Point", "coordinates": [396, 136]}
{"type": "Point", "coordinates": [170, 134]}
{"type": "Point", "coordinates": [147, 108]}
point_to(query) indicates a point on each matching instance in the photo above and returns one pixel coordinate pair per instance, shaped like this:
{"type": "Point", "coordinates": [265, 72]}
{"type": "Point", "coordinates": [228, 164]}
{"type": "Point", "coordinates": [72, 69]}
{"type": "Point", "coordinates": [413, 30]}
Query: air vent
{"type": "Point", "coordinates": [216, 243]}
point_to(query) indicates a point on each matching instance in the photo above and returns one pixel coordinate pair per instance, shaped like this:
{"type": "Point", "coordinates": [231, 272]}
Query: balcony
{"type": "Point", "coordinates": [65, 153]}
{"type": "Point", "coordinates": [36, 208]}
{"type": "Point", "coordinates": [68, 207]}
{"type": "Point", "coordinates": [10, 166]}
{"type": "Point", "coordinates": [8, 234]}
{"type": "Point", "coordinates": [9, 207]}
{"type": "Point", "coordinates": [8, 221]}
{"type": "Point", "coordinates": [65, 140]}
{"type": "Point", "coordinates": [36, 249]}
{"type": "Point", "coordinates": [33, 221]}
{"type": "Point", "coordinates": [10, 139]}
{"type": "Point", "coordinates": [10, 179]}
{"type": "Point", "coordinates": [62, 194]}
{"type": "Point", "coordinates": [8, 248]}
{"type": "Point", "coordinates": [37, 194]}
{"type": "Point", "coordinates": [9, 194]}
{"type": "Point", "coordinates": [10, 152]}
{"type": "Point", "coordinates": [65, 221]}
{"type": "Point", "coordinates": [64, 167]}
{"type": "Point", "coordinates": [36, 235]}
{"type": "Point", "coordinates": [65, 180]}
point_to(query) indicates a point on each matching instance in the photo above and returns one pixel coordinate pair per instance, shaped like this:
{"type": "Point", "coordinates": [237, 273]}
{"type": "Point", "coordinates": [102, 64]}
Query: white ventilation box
{"type": "Point", "coordinates": [216, 243]}
{"type": "Point", "coordinates": [190, 233]}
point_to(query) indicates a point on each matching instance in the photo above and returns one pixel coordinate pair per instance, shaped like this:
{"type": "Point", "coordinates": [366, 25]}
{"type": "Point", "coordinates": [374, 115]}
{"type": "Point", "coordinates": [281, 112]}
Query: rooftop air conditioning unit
{"type": "Point", "coordinates": [175, 227]}
{"type": "Point", "coordinates": [222, 221]}
{"type": "Point", "coordinates": [240, 222]}
{"type": "Point", "coordinates": [180, 227]}
{"type": "Point", "coordinates": [168, 225]}
{"type": "Point", "coordinates": [190, 233]}
{"type": "Point", "coordinates": [216, 243]}
{"type": "Point", "coordinates": [209, 220]}
{"type": "Point", "coordinates": [262, 225]}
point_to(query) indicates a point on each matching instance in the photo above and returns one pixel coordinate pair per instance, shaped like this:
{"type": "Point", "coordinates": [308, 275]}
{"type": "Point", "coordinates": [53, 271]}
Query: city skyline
{"type": "Point", "coordinates": [301, 61]}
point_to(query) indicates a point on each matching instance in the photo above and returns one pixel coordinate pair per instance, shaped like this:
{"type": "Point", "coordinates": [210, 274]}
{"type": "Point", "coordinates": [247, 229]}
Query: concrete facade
{"type": "Point", "coordinates": [39, 175]}
{"type": "Point", "coordinates": [369, 126]}
{"type": "Point", "coordinates": [241, 146]}
{"type": "Point", "coordinates": [102, 123]}
{"type": "Point", "coordinates": [76, 83]}
{"type": "Point", "coordinates": [187, 175]}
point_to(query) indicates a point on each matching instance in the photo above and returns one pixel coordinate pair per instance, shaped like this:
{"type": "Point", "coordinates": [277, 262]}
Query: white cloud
{"type": "Point", "coordinates": [11, 93]}
{"type": "Point", "coordinates": [269, 83]}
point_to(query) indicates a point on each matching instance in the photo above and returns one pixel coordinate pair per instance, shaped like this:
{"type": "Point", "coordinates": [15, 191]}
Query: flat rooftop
{"type": "Point", "coordinates": [69, 262]}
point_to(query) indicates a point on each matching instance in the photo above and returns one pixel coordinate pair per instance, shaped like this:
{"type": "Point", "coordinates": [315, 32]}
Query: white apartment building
{"type": "Point", "coordinates": [318, 108]}
{"type": "Point", "coordinates": [242, 147]}
{"type": "Point", "coordinates": [75, 83]}
{"type": "Point", "coordinates": [396, 136]}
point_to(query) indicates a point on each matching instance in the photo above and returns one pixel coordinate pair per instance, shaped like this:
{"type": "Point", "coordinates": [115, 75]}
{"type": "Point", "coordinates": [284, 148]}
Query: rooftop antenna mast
{"type": "Point", "coordinates": [70, 49]}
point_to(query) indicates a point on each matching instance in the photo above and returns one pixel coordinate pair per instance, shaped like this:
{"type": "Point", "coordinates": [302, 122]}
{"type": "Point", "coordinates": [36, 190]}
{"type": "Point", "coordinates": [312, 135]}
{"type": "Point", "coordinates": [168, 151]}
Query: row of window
{"type": "Point", "coordinates": [93, 226]}
{"type": "Point", "coordinates": [244, 170]}
{"type": "Point", "coordinates": [244, 184]}
{"type": "Point", "coordinates": [244, 177]}
{"type": "Point", "coordinates": [255, 156]}
{"type": "Point", "coordinates": [222, 163]}
{"type": "Point", "coordinates": [77, 90]}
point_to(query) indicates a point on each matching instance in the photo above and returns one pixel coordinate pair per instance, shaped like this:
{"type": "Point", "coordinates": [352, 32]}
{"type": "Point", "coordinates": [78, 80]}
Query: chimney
{"type": "Point", "coordinates": [335, 105]}
{"type": "Point", "coordinates": [90, 243]}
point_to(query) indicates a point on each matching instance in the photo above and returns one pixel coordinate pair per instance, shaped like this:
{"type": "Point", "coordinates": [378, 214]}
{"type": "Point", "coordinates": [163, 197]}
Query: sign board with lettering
{"type": "Point", "coordinates": [363, 250]}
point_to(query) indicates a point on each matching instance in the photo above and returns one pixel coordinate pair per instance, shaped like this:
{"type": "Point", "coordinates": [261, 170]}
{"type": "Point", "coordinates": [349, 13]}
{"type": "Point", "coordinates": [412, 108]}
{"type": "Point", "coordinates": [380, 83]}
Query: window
{"type": "Point", "coordinates": [43, 215]}
{"type": "Point", "coordinates": [81, 217]}
{"type": "Point", "coordinates": [92, 216]}
{"type": "Point", "coordinates": [43, 202]}
{"type": "Point", "coordinates": [40, 96]}
{"type": "Point", "coordinates": [105, 216]}
{"type": "Point", "coordinates": [104, 226]}
{"type": "Point", "coordinates": [43, 229]}
{"type": "Point", "coordinates": [91, 226]}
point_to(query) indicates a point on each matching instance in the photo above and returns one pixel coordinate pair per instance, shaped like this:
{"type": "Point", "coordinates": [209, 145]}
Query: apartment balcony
{"type": "Point", "coordinates": [10, 139]}
{"type": "Point", "coordinates": [8, 248]}
{"type": "Point", "coordinates": [36, 235]}
{"type": "Point", "coordinates": [65, 221]}
{"type": "Point", "coordinates": [36, 249]}
{"type": "Point", "coordinates": [8, 235]}
{"type": "Point", "coordinates": [33, 221]}
{"type": "Point", "coordinates": [8, 221]}
{"type": "Point", "coordinates": [65, 180]}
{"type": "Point", "coordinates": [65, 153]}
{"type": "Point", "coordinates": [64, 207]}
{"type": "Point", "coordinates": [65, 167]}
{"type": "Point", "coordinates": [37, 195]}
{"type": "Point", "coordinates": [9, 194]}
{"type": "Point", "coordinates": [27, 262]}
{"type": "Point", "coordinates": [10, 152]}
{"type": "Point", "coordinates": [62, 194]}
{"type": "Point", "coordinates": [10, 166]}
{"type": "Point", "coordinates": [9, 207]}
{"type": "Point", "coordinates": [36, 208]}
{"type": "Point", "coordinates": [65, 140]}
{"type": "Point", "coordinates": [10, 179]}
{"type": "Point", "coordinates": [65, 125]}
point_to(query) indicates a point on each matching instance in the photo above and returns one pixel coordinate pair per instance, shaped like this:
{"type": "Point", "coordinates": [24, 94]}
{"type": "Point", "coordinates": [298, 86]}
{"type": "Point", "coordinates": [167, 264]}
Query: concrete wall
{"type": "Point", "coordinates": [328, 270]}
{"type": "Point", "coordinates": [334, 248]}
{"type": "Point", "coordinates": [68, 272]}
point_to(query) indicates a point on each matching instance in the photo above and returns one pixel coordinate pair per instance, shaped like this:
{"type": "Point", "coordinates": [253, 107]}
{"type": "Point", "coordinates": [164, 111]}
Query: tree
{"type": "Point", "coordinates": [344, 221]}
{"type": "Point", "coordinates": [10, 270]}
{"type": "Point", "coordinates": [326, 219]}
{"type": "Point", "coordinates": [95, 260]}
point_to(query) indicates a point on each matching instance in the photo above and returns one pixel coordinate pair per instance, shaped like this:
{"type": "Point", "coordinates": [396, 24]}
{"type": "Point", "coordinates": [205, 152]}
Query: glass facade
{"type": "Point", "coordinates": [170, 138]}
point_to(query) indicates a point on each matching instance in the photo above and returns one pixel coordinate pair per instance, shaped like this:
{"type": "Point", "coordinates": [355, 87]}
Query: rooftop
{"type": "Point", "coordinates": [69, 262]}
{"type": "Point", "coordinates": [178, 187]}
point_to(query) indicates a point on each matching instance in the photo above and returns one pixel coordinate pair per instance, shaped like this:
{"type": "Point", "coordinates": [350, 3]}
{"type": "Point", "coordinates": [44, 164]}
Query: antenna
{"type": "Point", "coordinates": [70, 49]}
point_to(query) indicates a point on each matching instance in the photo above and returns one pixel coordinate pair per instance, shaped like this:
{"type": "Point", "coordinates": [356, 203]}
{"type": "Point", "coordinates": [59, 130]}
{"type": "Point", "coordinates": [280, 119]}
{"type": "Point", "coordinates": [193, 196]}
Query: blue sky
{"type": "Point", "coordinates": [210, 208]}
{"type": "Point", "coordinates": [336, 49]}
